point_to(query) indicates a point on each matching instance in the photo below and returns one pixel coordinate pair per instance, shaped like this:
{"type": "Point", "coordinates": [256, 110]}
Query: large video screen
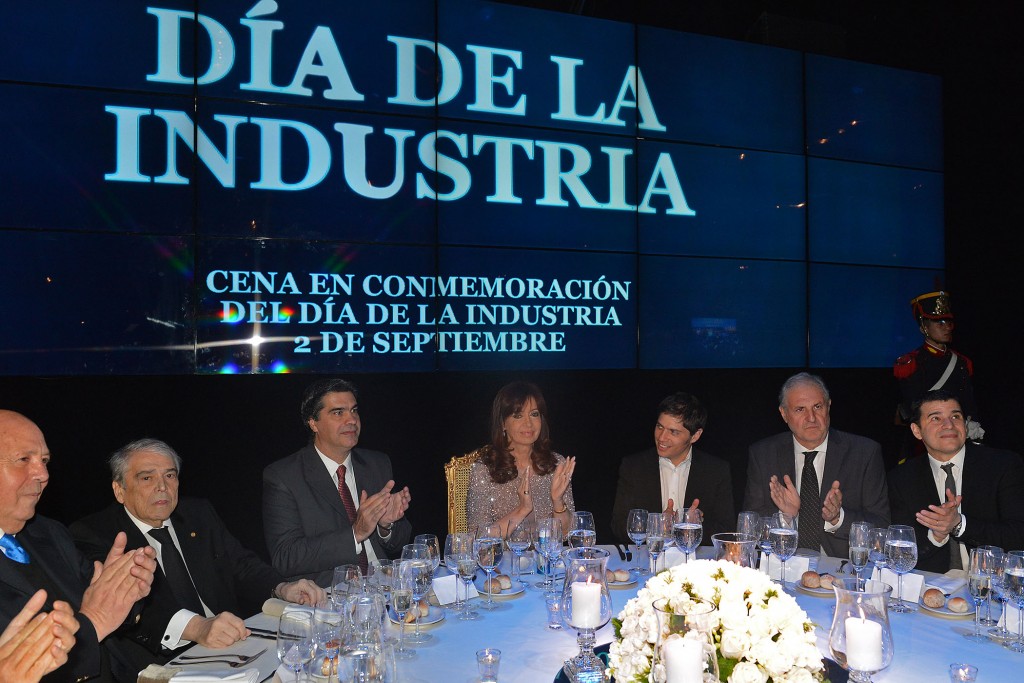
{"type": "Point", "coordinates": [312, 186]}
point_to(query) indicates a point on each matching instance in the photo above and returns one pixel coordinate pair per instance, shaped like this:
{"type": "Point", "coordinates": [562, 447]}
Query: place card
{"type": "Point", "coordinates": [670, 558]}
{"type": "Point", "coordinates": [795, 567]}
{"type": "Point", "coordinates": [1010, 618]}
{"type": "Point", "coordinates": [912, 583]}
{"type": "Point", "coordinates": [444, 589]}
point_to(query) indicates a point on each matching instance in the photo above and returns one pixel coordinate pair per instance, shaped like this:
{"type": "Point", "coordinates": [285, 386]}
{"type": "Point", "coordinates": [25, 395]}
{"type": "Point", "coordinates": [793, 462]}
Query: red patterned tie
{"type": "Point", "coordinates": [350, 509]}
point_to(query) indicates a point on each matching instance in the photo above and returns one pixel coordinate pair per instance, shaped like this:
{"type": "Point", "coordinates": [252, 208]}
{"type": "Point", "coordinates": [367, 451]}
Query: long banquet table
{"type": "Point", "coordinates": [925, 645]}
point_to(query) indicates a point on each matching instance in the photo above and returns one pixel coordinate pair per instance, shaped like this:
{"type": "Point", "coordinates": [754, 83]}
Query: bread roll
{"type": "Point", "coordinates": [505, 581]}
{"type": "Point", "coordinates": [810, 579]}
{"type": "Point", "coordinates": [424, 607]}
{"type": "Point", "coordinates": [492, 585]}
{"type": "Point", "coordinates": [958, 605]}
{"type": "Point", "coordinates": [411, 615]}
{"type": "Point", "coordinates": [826, 581]}
{"type": "Point", "coordinates": [934, 598]}
{"type": "Point", "coordinates": [609, 575]}
{"type": "Point", "coordinates": [621, 575]}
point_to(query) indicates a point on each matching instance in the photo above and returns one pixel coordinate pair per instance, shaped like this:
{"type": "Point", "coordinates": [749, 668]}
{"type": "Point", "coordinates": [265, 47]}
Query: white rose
{"type": "Point", "coordinates": [735, 643]}
{"type": "Point", "coordinates": [745, 672]}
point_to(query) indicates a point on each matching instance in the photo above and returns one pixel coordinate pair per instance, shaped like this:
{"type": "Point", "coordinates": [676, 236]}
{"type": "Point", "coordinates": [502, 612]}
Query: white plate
{"type": "Point", "coordinates": [622, 584]}
{"type": "Point", "coordinates": [435, 615]}
{"type": "Point", "coordinates": [516, 589]}
{"type": "Point", "coordinates": [817, 592]}
{"type": "Point", "coordinates": [946, 613]}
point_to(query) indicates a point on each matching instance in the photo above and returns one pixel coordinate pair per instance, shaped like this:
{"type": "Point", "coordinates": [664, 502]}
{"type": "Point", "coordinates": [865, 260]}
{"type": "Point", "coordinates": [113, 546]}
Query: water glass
{"type": "Point", "coordinates": [764, 540]}
{"type": "Point", "coordinates": [549, 544]}
{"type": "Point", "coordinates": [979, 585]}
{"type": "Point", "coordinates": [487, 661]}
{"type": "Point", "coordinates": [519, 539]}
{"type": "Point", "coordinates": [688, 531]}
{"type": "Point", "coordinates": [659, 531]}
{"type": "Point", "coordinates": [583, 533]}
{"type": "Point", "coordinates": [747, 522]}
{"type": "Point", "coordinates": [901, 556]}
{"type": "Point", "coordinates": [433, 550]}
{"type": "Point", "coordinates": [347, 579]}
{"type": "Point", "coordinates": [1013, 591]}
{"type": "Point", "coordinates": [295, 640]}
{"type": "Point", "coordinates": [784, 540]}
{"type": "Point", "coordinates": [488, 548]}
{"type": "Point", "coordinates": [994, 568]}
{"type": "Point", "coordinates": [416, 559]}
{"type": "Point", "coordinates": [859, 552]}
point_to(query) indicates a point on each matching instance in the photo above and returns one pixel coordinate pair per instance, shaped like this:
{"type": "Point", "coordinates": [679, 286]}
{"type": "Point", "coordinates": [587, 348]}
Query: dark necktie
{"type": "Point", "coordinates": [12, 549]}
{"type": "Point", "coordinates": [810, 527]}
{"type": "Point", "coordinates": [177, 573]}
{"type": "Point", "coordinates": [350, 509]}
{"type": "Point", "coordinates": [955, 561]}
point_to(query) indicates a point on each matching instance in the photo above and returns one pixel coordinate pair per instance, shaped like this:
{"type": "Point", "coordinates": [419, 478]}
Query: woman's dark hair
{"type": "Point", "coordinates": [498, 459]}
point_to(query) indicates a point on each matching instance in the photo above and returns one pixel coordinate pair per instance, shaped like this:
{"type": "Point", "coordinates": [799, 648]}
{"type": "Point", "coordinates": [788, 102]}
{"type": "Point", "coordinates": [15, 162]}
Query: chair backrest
{"type": "Point", "coordinates": [456, 474]}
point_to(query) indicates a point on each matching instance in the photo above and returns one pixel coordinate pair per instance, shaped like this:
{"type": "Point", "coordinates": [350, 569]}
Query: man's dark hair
{"type": "Point", "coordinates": [686, 408]}
{"type": "Point", "coordinates": [313, 397]}
{"type": "Point", "coordinates": [933, 395]}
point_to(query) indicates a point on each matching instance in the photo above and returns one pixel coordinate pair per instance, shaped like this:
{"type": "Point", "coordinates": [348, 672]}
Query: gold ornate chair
{"type": "Point", "coordinates": [456, 474]}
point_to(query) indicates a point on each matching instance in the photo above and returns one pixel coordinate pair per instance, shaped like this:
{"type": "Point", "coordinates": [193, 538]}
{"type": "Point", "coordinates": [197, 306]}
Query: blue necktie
{"type": "Point", "coordinates": [12, 549]}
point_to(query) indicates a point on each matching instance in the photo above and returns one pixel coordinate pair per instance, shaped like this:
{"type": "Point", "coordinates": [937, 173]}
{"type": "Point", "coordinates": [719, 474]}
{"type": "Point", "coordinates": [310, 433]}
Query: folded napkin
{"type": "Point", "coordinates": [216, 675]}
{"type": "Point", "coordinates": [951, 582]}
{"type": "Point", "coordinates": [274, 607]}
{"type": "Point", "coordinates": [154, 673]}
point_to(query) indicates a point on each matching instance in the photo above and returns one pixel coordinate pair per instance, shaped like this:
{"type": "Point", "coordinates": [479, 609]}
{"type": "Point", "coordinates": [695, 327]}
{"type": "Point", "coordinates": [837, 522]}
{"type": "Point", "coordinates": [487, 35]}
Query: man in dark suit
{"type": "Point", "coordinates": [39, 553]}
{"type": "Point", "coordinates": [330, 503]}
{"type": "Point", "coordinates": [841, 480]}
{"type": "Point", "coordinates": [982, 489]}
{"type": "Point", "coordinates": [199, 600]}
{"type": "Point", "coordinates": [675, 475]}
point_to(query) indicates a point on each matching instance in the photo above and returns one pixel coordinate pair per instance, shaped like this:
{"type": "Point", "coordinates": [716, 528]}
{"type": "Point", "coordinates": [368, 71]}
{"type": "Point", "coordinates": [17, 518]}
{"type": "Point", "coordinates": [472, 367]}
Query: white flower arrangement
{"type": "Point", "coordinates": [761, 634]}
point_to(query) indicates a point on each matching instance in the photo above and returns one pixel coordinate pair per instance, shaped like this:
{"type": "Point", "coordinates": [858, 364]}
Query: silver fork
{"type": "Point", "coordinates": [185, 660]}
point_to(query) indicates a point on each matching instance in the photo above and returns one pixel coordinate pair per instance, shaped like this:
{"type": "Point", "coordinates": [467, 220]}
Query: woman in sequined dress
{"type": "Point", "coordinates": [518, 473]}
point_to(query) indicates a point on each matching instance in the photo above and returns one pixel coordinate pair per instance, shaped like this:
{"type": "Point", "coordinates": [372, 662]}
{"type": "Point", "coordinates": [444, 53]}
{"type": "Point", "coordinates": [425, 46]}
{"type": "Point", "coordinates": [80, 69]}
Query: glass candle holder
{"type": "Point", "coordinates": [860, 639]}
{"type": "Point", "coordinates": [586, 607]}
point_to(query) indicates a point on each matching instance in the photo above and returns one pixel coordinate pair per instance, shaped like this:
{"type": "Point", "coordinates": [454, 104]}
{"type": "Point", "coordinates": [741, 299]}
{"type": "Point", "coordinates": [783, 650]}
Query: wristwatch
{"type": "Point", "coordinates": [955, 533]}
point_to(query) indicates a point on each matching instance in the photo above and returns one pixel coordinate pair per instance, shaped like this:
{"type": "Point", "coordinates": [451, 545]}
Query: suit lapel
{"type": "Point", "coordinates": [320, 483]}
{"type": "Point", "coordinates": [52, 559]}
{"type": "Point", "coordinates": [834, 458]}
{"type": "Point", "coordinates": [784, 454]}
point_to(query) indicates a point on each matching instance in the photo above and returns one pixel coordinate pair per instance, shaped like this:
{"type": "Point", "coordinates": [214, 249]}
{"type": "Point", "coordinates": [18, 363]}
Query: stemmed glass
{"type": "Point", "coordinates": [747, 522]}
{"type": "Point", "coordinates": [659, 531]}
{"type": "Point", "coordinates": [402, 602]}
{"type": "Point", "coordinates": [433, 549]}
{"type": "Point", "coordinates": [859, 539]}
{"type": "Point", "coordinates": [636, 529]}
{"type": "Point", "coordinates": [784, 539]}
{"type": "Point", "coordinates": [295, 640]}
{"type": "Point", "coordinates": [459, 558]}
{"type": "Point", "coordinates": [379, 576]}
{"type": "Point", "coordinates": [519, 539]}
{"type": "Point", "coordinates": [979, 585]}
{"type": "Point", "coordinates": [688, 531]}
{"type": "Point", "coordinates": [549, 544]}
{"type": "Point", "coordinates": [583, 533]}
{"type": "Point", "coordinates": [901, 555]}
{"type": "Point", "coordinates": [1013, 590]}
{"type": "Point", "coordinates": [346, 576]}
{"type": "Point", "coordinates": [994, 568]}
{"type": "Point", "coordinates": [327, 639]}
{"type": "Point", "coordinates": [419, 557]}
{"type": "Point", "coordinates": [764, 541]}
{"type": "Point", "coordinates": [488, 548]}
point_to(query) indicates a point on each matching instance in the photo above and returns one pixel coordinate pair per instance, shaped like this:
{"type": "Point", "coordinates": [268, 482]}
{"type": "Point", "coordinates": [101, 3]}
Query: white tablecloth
{"type": "Point", "coordinates": [530, 653]}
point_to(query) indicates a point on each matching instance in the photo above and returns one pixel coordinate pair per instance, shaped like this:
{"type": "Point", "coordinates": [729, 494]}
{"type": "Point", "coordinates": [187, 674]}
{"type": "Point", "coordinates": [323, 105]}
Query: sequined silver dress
{"type": "Point", "coordinates": [488, 502]}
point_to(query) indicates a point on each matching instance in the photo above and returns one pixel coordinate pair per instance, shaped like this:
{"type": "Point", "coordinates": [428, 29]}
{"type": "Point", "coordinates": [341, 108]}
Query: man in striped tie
{"type": "Point", "coordinates": [332, 503]}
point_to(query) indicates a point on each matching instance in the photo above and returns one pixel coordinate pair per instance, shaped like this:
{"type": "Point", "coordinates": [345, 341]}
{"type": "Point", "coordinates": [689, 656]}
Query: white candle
{"type": "Point", "coordinates": [863, 644]}
{"type": "Point", "coordinates": [586, 605]}
{"type": "Point", "coordinates": [683, 660]}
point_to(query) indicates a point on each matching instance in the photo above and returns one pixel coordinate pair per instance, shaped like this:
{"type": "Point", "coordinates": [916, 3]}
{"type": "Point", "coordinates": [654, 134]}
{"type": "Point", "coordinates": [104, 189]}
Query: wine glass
{"type": "Point", "coordinates": [379, 576]}
{"type": "Point", "coordinates": [1013, 590]}
{"type": "Point", "coordinates": [764, 541]}
{"type": "Point", "coordinates": [488, 548]}
{"type": "Point", "coordinates": [688, 531]}
{"type": "Point", "coordinates": [859, 539]}
{"type": "Point", "coordinates": [295, 640]}
{"type": "Point", "coordinates": [583, 533]}
{"type": "Point", "coordinates": [784, 539]}
{"type": "Point", "coordinates": [420, 555]}
{"type": "Point", "coordinates": [994, 568]}
{"type": "Point", "coordinates": [979, 585]}
{"type": "Point", "coordinates": [549, 544]}
{"type": "Point", "coordinates": [402, 601]}
{"type": "Point", "coordinates": [459, 545]}
{"type": "Point", "coordinates": [433, 549]}
{"type": "Point", "coordinates": [659, 531]}
{"type": "Point", "coordinates": [636, 529]}
{"type": "Point", "coordinates": [901, 556]}
{"type": "Point", "coordinates": [346, 576]}
{"type": "Point", "coordinates": [327, 639]}
{"type": "Point", "coordinates": [519, 539]}
{"type": "Point", "coordinates": [747, 522]}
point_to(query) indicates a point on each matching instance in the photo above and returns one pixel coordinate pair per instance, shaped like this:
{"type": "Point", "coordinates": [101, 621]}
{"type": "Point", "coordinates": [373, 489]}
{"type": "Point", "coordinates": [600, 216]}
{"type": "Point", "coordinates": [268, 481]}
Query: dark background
{"type": "Point", "coordinates": [227, 428]}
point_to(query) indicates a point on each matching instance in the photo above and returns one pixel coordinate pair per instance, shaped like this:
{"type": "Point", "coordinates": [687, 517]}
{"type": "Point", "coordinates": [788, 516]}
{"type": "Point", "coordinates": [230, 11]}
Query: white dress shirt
{"type": "Point", "coordinates": [171, 639]}
{"type": "Point", "coordinates": [819, 471]}
{"type": "Point", "coordinates": [673, 480]}
{"type": "Point", "coordinates": [939, 475]}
